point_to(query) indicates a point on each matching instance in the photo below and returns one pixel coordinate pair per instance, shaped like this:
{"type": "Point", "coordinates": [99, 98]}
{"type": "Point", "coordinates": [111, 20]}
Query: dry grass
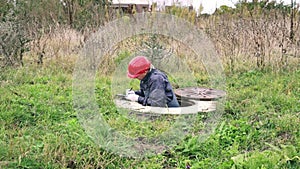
{"type": "Point", "coordinates": [242, 41]}
{"type": "Point", "coordinates": [257, 41]}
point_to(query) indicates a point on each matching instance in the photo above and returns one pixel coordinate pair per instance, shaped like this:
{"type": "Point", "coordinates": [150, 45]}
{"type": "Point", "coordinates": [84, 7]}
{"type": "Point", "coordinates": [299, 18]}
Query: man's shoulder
{"type": "Point", "coordinates": [157, 74]}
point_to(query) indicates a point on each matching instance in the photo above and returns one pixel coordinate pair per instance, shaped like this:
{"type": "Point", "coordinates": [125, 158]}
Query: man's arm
{"type": "Point", "coordinates": [140, 93]}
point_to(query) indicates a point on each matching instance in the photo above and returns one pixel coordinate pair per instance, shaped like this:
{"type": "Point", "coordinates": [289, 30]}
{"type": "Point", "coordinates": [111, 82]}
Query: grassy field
{"type": "Point", "coordinates": [40, 129]}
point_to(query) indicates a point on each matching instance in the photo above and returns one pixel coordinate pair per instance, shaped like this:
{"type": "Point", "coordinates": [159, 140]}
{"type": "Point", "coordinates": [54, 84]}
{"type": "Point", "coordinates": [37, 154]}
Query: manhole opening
{"type": "Point", "coordinates": [185, 102]}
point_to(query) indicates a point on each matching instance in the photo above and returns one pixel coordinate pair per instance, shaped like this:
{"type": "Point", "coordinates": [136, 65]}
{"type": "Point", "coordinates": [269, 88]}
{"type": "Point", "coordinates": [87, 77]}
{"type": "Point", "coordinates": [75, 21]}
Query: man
{"type": "Point", "coordinates": [155, 88]}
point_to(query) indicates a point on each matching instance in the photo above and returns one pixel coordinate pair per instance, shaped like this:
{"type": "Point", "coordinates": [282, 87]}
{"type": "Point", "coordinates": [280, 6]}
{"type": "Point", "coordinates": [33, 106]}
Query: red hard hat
{"type": "Point", "coordinates": [138, 66]}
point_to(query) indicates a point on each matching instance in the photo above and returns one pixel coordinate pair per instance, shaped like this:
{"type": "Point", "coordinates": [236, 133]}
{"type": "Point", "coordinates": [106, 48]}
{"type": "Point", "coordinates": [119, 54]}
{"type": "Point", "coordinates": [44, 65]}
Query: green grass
{"type": "Point", "coordinates": [40, 129]}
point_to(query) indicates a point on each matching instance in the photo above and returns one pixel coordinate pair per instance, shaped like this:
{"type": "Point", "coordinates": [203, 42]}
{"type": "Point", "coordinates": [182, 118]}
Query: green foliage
{"type": "Point", "coordinates": [13, 43]}
{"type": "Point", "coordinates": [84, 14]}
{"type": "Point", "coordinates": [263, 5]}
{"type": "Point", "coordinates": [5, 8]}
{"type": "Point", "coordinates": [39, 126]}
{"type": "Point", "coordinates": [184, 13]}
{"type": "Point", "coordinates": [224, 10]}
{"type": "Point", "coordinates": [122, 56]}
{"type": "Point", "coordinates": [285, 156]}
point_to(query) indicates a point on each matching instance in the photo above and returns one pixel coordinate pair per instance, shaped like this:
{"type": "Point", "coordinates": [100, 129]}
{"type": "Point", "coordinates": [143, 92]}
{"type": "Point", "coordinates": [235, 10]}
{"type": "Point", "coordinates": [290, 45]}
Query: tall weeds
{"type": "Point", "coordinates": [260, 38]}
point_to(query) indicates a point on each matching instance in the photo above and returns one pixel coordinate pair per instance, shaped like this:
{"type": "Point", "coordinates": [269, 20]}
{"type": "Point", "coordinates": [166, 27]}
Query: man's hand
{"type": "Point", "coordinates": [132, 97]}
{"type": "Point", "coordinates": [129, 91]}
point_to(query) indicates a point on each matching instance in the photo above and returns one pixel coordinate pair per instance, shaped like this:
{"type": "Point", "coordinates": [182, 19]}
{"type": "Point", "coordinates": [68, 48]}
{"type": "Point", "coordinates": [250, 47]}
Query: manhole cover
{"type": "Point", "coordinates": [199, 93]}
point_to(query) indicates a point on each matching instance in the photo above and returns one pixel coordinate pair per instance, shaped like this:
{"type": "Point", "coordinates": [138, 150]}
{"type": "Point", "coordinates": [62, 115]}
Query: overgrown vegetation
{"type": "Point", "coordinates": [40, 129]}
{"type": "Point", "coordinates": [263, 34]}
{"type": "Point", "coordinates": [258, 42]}
{"type": "Point", "coordinates": [26, 26]}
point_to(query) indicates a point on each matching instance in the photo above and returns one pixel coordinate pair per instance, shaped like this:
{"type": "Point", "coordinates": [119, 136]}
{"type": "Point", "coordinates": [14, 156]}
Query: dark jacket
{"type": "Point", "coordinates": [156, 90]}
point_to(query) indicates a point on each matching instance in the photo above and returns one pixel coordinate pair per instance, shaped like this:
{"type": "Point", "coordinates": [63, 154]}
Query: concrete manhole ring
{"type": "Point", "coordinates": [200, 93]}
